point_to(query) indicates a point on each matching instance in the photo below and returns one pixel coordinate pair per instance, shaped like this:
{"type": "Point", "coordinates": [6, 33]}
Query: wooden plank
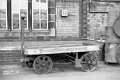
{"type": "Point", "coordinates": [10, 48]}
{"type": "Point", "coordinates": [56, 50]}
{"type": "Point", "coordinates": [35, 44]}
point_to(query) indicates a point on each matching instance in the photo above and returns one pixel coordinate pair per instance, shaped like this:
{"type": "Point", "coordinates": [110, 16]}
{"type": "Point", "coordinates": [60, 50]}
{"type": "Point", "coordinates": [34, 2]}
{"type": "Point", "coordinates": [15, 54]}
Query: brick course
{"type": "Point", "coordinates": [68, 26]}
{"type": "Point", "coordinates": [10, 57]}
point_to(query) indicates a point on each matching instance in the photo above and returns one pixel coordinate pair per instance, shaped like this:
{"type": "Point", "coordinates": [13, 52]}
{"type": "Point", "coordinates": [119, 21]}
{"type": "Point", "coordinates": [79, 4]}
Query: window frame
{"type": "Point", "coordinates": [40, 20]}
{"type": "Point", "coordinates": [19, 16]}
{"type": "Point", "coordinates": [5, 18]}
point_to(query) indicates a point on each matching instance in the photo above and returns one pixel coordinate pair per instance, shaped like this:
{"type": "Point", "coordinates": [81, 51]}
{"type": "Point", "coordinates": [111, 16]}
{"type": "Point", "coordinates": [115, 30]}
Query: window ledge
{"type": "Point", "coordinates": [4, 30]}
{"type": "Point", "coordinates": [46, 30]}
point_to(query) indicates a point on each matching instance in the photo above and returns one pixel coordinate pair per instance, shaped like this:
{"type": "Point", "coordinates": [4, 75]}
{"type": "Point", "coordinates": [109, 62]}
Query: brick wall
{"type": "Point", "coordinates": [103, 15]}
{"type": "Point", "coordinates": [103, 12]}
{"type": "Point", "coordinates": [97, 23]}
{"type": "Point", "coordinates": [10, 57]}
{"type": "Point", "coordinates": [85, 11]}
{"type": "Point", "coordinates": [67, 26]}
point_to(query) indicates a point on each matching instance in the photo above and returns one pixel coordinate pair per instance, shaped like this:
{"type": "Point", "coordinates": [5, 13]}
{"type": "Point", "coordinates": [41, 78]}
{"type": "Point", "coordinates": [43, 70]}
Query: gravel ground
{"type": "Point", "coordinates": [62, 72]}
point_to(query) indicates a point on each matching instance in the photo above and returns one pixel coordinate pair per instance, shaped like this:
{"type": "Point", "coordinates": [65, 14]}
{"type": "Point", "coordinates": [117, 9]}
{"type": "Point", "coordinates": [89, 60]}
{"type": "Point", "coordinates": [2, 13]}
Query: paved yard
{"type": "Point", "coordinates": [62, 72]}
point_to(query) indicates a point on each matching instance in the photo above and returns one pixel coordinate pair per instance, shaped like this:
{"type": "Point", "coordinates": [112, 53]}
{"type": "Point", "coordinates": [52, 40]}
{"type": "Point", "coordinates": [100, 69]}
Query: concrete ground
{"type": "Point", "coordinates": [62, 72]}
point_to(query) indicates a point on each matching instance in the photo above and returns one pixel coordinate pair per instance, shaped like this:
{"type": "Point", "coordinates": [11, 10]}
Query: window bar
{"type": "Point", "coordinates": [19, 16]}
{"type": "Point", "coordinates": [30, 15]}
{"type": "Point", "coordinates": [40, 11]}
{"type": "Point", "coordinates": [8, 15]}
{"type": "Point", "coordinates": [47, 14]}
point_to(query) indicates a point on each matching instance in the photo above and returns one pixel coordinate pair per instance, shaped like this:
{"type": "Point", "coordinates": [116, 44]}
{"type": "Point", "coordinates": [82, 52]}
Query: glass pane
{"type": "Point", "coordinates": [23, 4]}
{"type": "Point", "coordinates": [2, 24]}
{"type": "Point", "coordinates": [3, 8]}
{"type": "Point", "coordinates": [35, 4]}
{"type": "Point", "coordinates": [43, 24]}
{"type": "Point", "coordinates": [43, 1]}
{"type": "Point", "coordinates": [37, 0]}
{"type": "Point", "coordinates": [36, 13]}
{"type": "Point", "coordinates": [39, 14]}
{"type": "Point", "coordinates": [15, 12]}
{"type": "Point", "coordinates": [15, 15]}
{"type": "Point", "coordinates": [15, 23]}
{"type": "Point", "coordinates": [2, 13]}
{"type": "Point", "coordinates": [44, 14]}
{"type": "Point", "coordinates": [36, 24]}
{"type": "Point", "coordinates": [15, 20]}
{"type": "Point", "coordinates": [23, 14]}
{"type": "Point", "coordinates": [3, 4]}
{"type": "Point", "coordinates": [15, 4]}
{"type": "Point", "coordinates": [52, 18]}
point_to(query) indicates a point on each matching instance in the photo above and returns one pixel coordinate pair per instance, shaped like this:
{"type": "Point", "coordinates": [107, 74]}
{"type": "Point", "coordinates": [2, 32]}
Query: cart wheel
{"type": "Point", "coordinates": [42, 64]}
{"type": "Point", "coordinates": [88, 62]}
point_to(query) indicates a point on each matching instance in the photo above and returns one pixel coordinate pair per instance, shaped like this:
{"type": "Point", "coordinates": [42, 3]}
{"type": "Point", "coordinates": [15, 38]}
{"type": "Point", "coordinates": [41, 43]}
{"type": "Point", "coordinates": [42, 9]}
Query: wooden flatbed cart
{"type": "Point", "coordinates": [38, 55]}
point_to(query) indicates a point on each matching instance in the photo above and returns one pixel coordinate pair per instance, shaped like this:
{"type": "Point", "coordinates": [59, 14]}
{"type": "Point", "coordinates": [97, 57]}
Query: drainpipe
{"type": "Point", "coordinates": [22, 40]}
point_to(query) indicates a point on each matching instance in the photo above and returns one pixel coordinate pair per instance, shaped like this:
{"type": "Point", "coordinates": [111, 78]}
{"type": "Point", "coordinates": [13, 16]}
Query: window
{"type": "Point", "coordinates": [24, 12]}
{"type": "Point", "coordinates": [19, 13]}
{"type": "Point", "coordinates": [39, 14]}
{"type": "Point", "coordinates": [52, 14]}
{"type": "Point", "coordinates": [15, 15]}
{"type": "Point", "coordinates": [3, 14]}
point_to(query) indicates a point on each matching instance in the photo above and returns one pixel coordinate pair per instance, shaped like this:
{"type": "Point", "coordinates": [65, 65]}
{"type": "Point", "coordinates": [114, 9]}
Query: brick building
{"type": "Point", "coordinates": [54, 25]}
{"type": "Point", "coordinates": [52, 20]}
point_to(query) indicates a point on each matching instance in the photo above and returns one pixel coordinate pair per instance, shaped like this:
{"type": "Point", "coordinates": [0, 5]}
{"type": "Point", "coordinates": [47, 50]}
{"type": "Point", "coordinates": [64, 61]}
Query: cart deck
{"type": "Point", "coordinates": [60, 47]}
{"type": "Point", "coordinates": [49, 47]}
{"type": "Point", "coordinates": [42, 63]}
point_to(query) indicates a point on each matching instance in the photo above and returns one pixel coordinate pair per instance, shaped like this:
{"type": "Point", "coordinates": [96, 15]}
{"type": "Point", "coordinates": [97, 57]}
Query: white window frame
{"type": "Point", "coordinates": [5, 18]}
{"type": "Point", "coordinates": [19, 18]}
{"type": "Point", "coordinates": [26, 16]}
{"type": "Point", "coordinates": [40, 15]}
